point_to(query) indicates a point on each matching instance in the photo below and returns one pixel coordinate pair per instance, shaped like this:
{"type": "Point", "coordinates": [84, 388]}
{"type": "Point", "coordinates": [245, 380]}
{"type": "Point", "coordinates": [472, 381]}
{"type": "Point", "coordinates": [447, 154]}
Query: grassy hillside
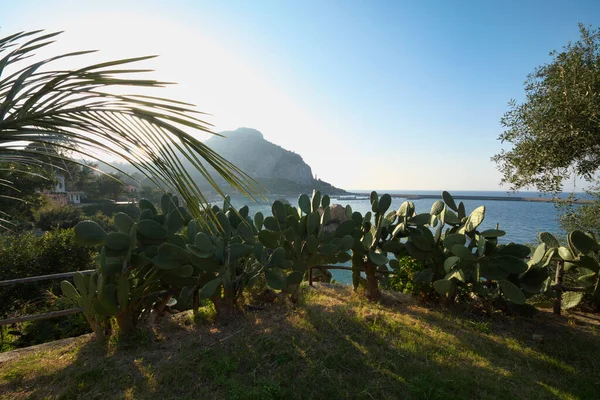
{"type": "Point", "coordinates": [334, 345]}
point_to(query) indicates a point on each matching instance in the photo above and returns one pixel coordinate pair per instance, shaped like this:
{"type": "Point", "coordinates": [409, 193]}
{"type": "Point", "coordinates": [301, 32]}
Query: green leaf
{"type": "Point", "coordinates": [420, 219]}
{"type": "Point", "coordinates": [259, 220]}
{"type": "Point", "coordinates": [571, 299]}
{"type": "Point", "coordinates": [449, 200]}
{"type": "Point", "coordinates": [588, 263]}
{"type": "Point", "coordinates": [437, 208]}
{"type": "Point", "coordinates": [145, 204]}
{"type": "Point", "coordinates": [170, 256]}
{"type": "Point", "coordinates": [312, 223]}
{"type": "Point", "coordinates": [548, 239]}
{"type": "Point", "coordinates": [89, 233]}
{"type": "Point", "coordinates": [151, 229]}
{"type": "Point", "coordinates": [304, 203]}
{"type": "Point", "coordinates": [345, 228]}
{"type": "Point", "coordinates": [512, 292]}
{"type": "Point", "coordinates": [174, 221]}
{"type": "Point", "coordinates": [239, 250]}
{"type": "Point", "coordinates": [454, 239]}
{"type": "Point", "coordinates": [278, 210]}
{"type": "Point", "coordinates": [117, 241]}
{"type": "Point", "coordinates": [442, 286]}
{"type": "Point", "coordinates": [276, 259]}
{"type": "Point", "coordinates": [210, 288]}
{"type": "Point", "coordinates": [183, 272]}
{"type": "Point", "coordinates": [271, 224]}
{"type": "Point", "coordinates": [384, 203]}
{"type": "Point", "coordinates": [493, 233]}
{"type": "Point", "coordinates": [516, 250]}
{"type": "Point", "coordinates": [269, 239]}
{"type": "Point", "coordinates": [450, 262]}
{"type": "Point", "coordinates": [539, 253]}
{"type": "Point", "coordinates": [274, 279]}
{"type": "Point", "coordinates": [81, 282]}
{"type": "Point", "coordinates": [295, 278]}
{"type": "Point", "coordinates": [463, 252]}
{"type": "Point", "coordinates": [582, 242]}
{"type": "Point", "coordinates": [377, 258]}
{"type": "Point", "coordinates": [204, 243]}
{"type": "Point", "coordinates": [68, 290]}
{"type": "Point", "coordinates": [475, 219]}
{"type": "Point", "coordinates": [316, 201]}
{"type": "Point", "coordinates": [565, 254]}
{"type": "Point", "coordinates": [123, 222]}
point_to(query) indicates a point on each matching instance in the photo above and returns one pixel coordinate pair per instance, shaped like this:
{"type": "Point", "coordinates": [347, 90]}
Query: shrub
{"type": "Point", "coordinates": [58, 217]}
{"type": "Point", "coordinates": [109, 209]}
{"type": "Point", "coordinates": [26, 254]}
{"type": "Point", "coordinates": [402, 280]}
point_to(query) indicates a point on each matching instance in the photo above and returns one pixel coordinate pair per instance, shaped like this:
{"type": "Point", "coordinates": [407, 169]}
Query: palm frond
{"type": "Point", "coordinates": [76, 111]}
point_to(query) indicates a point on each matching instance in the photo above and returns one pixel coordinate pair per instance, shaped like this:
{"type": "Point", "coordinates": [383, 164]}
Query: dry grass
{"type": "Point", "coordinates": [334, 345]}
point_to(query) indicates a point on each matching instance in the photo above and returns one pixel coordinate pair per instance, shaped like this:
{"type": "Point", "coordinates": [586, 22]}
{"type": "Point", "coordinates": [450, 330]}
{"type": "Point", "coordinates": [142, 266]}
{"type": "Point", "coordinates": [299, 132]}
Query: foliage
{"type": "Point", "coordinates": [47, 330]}
{"type": "Point", "coordinates": [583, 217]}
{"type": "Point", "coordinates": [53, 216]}
{"type": "Point", "coordinates": [109, 209]}
{"type": "Point", "coordinates": [77, 110]}
{"type": "Point", "coordinates": [554, 133]}
{"type": "Point", "coordinates": [402, 280]}
{"type": "Point", "coordinates": [163, 250]}
{"type": "Point", "coordinates": [19, 199]}
{"type": "Point", "coordinates": [110, 186]}
{"type": "Point", "coordinates": [579, 259]}
{"type": "Point", "coordinates": [165, 253]}
{"type": "Point", "coordinates": [25, 254]}
{"type": "Point", "coordinates": [297, 241]}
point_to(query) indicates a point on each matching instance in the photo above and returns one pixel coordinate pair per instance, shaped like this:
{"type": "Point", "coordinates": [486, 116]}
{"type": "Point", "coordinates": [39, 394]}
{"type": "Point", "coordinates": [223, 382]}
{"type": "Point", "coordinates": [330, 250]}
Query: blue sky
{"type": "Point", "coordinates": [372, 94]}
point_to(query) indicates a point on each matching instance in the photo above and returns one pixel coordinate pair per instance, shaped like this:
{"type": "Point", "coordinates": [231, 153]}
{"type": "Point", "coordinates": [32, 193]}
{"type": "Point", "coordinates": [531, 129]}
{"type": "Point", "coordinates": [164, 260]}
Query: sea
{"type": "Point", "coordinates": [521, 220]}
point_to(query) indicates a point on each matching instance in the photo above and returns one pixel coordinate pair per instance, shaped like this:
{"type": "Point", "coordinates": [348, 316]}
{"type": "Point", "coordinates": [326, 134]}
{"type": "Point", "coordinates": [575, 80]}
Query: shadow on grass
{"type": "Point", "coordinates": [332, 347]}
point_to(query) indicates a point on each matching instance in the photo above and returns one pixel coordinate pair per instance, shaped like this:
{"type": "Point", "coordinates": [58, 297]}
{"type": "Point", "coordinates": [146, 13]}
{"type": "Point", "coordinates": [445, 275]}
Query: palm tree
{"type": "Point", "coordinates": [79, 111]}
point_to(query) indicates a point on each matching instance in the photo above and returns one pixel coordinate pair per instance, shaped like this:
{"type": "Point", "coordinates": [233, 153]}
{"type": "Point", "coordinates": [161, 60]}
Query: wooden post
{"type": "Point", "coordinates": [558, 287]}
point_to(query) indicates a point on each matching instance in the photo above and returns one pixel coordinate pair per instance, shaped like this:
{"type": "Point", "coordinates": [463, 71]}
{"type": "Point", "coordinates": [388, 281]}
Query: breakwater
{"type": "Point", "coordinates": [413, 196]}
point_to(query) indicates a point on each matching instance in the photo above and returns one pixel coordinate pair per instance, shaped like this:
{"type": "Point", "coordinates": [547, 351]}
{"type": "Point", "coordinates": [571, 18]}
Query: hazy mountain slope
{"type": "Point", "coordinates": [277, 169]}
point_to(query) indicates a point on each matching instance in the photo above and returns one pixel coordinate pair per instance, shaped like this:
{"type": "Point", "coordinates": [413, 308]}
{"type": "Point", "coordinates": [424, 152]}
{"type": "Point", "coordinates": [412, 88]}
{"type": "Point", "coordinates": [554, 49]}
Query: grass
{"type": "Point", "coordinates": [334, 345]}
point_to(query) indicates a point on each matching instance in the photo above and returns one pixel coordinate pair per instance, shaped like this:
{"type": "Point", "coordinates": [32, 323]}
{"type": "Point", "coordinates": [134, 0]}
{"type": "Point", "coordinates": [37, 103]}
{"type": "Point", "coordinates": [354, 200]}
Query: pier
{"type": "Point", "coordinates": [412, 196]}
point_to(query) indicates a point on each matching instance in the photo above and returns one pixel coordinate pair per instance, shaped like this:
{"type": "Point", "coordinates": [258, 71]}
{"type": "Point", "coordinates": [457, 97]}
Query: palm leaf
{"type": "Point", "coordinates": [76, 111]}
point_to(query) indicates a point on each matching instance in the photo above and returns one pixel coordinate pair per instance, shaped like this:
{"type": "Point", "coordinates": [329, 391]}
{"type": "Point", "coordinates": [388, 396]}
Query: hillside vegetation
{"type": "Point", "coordinates": [333, 345]}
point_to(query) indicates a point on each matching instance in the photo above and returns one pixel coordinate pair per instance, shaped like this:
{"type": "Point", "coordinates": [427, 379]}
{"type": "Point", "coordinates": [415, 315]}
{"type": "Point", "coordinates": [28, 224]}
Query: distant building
{"type": "Point", "coordinates": [61, 195]}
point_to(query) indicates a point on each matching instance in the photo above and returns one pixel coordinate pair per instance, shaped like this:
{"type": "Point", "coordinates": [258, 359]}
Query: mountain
{"type": "Point", "coordinates": [279, 170]}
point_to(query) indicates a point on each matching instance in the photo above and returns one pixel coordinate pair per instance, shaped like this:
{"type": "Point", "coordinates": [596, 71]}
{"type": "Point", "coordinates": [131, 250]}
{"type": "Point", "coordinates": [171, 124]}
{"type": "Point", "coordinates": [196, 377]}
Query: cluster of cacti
{"type": "Point", "coordinates": [372, 242]}
{"type": "Point", "coordinates": [225, 250]}
{"type": "Point", "coordinates": [165, 254]}
{"type": "Point", "coordinates": [459, 255]}
{"type": "Point", "coordinates": [134, 260]}
{"type": "Point", "coordinates": [296, 240]}
{"type": "Point", "coordinates": [578, 258]}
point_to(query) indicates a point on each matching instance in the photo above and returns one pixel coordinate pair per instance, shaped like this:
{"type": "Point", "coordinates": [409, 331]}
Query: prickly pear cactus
{"type": "Point", "coordinates": [579, 259]}
{"type": "Point", "coordinates": [294, 240]}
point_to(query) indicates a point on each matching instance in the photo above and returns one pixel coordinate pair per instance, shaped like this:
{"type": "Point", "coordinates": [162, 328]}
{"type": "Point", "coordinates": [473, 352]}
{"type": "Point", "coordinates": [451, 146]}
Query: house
{"type": "Point", "coordinates": [61, 195]}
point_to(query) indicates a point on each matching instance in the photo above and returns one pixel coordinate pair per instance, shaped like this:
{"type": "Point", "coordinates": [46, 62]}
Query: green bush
{"type": "Point", "coordinates": [47, 330]}
{"type": "Point", "coordinates": [61, 217]}
{"type": "Point", "coordinates": [402, 280]}
{"type": "Point", "coordinates": [26, 254]}
{"type": "Point", "coordinates": [109, 209]}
